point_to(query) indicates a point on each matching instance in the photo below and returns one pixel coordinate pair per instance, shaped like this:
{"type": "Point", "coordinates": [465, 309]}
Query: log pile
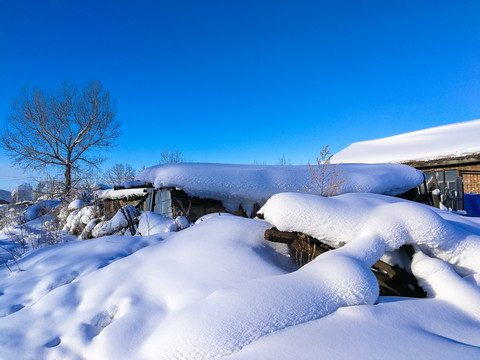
{"type": "Point", "coordinates": [392, 280]}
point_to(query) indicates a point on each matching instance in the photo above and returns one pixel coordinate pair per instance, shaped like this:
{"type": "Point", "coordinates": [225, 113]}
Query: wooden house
{"type": "Point", "coordinates": [449, 156]}
{"type": "Point", "coordinates": [458, 180]}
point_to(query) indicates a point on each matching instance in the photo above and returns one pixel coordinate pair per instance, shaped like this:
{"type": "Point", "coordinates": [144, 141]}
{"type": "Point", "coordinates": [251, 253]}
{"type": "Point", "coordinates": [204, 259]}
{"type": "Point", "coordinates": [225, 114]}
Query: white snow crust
{"type": "Point", "coordinates": [112, 194]}
{"type": "Point", "coordinates": [249, 184]}
{"type": "Point", "coordinates": [454, 140]}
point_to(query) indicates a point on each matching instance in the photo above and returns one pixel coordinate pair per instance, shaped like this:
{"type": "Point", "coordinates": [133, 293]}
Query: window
{"type": "Point", "coordinates": [449, 181]}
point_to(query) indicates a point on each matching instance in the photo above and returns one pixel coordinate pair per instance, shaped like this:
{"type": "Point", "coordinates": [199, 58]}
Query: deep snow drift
{"type": "Point", "coordinates": [218, 289]}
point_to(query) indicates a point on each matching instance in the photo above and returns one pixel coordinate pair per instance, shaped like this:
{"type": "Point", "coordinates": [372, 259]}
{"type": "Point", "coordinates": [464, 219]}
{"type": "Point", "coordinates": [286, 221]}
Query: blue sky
{"type": "Point", "coordinates": [249, 81]}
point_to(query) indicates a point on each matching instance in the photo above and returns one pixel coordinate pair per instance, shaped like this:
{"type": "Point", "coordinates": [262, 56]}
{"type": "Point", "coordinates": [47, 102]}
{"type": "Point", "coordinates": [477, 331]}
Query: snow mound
{"type": "Point", "coordinates": [76, 204]}
{"type": "Point", "coordinates": [429, 144]}
{"type": "Point", "coordinates": [151, 223]}
{"type": "Point", "coordinates": [249, 184]}
{"type": "Point", "coordinates": [344, 218]}
{"type": "Point", "coordinates": [441, 281]}
{"type": "Point", "coordinates": [230, 319]}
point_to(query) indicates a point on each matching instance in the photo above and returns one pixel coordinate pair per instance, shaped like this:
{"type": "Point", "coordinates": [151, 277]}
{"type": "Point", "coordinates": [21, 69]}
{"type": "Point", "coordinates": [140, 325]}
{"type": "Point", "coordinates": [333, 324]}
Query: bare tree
{"type": "Point", "coordinates": [61, 128]}
{"type": "Point", "coordinates": [171, 157]}
{"type": "Point", "coordinates": [119, 173]}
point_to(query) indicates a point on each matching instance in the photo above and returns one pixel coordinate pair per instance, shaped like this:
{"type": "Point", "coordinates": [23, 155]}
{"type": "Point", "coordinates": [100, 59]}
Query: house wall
{"type": "Point", "coordinates": [194, 207]}
{"type": "Point", "coordinates": [172, 202]}
{"type": "Point", "coordinates": [471, 179]}
{"type": "Point", "coordinates": [470, 175]}
{"type": "Point", "coordinates": [465, 180]}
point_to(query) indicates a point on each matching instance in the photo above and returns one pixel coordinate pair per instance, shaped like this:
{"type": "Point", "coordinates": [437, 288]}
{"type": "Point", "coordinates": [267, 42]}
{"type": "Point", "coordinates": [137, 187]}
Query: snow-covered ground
{"type": "Point", "coordinates": [218, 289]}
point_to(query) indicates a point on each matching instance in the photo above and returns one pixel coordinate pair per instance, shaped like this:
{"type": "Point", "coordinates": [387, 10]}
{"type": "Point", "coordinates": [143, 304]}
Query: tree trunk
{"type": "Point", "coordinates": [68, 178]}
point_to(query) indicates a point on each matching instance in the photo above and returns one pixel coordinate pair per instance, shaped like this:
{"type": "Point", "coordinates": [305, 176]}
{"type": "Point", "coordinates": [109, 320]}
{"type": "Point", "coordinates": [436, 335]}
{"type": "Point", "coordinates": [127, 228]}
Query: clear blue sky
{"type": "Point", "coordinates": [248, 81]}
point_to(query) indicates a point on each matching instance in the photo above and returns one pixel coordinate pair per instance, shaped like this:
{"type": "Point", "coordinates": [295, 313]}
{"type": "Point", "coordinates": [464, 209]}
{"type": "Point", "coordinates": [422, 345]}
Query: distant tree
{"type": "Point", "coordinates": [60, 128]}
{"type": "Point", "coordinates": [171, 157]}
{"type": "Point", "coordinates": [119, 173]}
{"type": "Point", "coordinates": [284, 161]}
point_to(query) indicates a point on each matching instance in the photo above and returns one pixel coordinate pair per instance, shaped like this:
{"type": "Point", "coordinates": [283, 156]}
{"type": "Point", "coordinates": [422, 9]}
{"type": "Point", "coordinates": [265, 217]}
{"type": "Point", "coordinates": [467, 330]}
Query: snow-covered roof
{"type": "Point", "coordinates": [128, 194]}
{"type": "Point", "coordinates": [448, 141]}
{"type": "Point", "coordinates": [250, 184]}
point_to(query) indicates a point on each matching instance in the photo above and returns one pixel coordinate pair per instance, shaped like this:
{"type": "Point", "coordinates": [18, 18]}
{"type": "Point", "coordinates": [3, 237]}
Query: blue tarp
{"type": "Point", "coordinates": [471, 204]}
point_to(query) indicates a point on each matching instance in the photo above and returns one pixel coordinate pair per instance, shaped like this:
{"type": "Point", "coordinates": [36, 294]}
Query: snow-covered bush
{"type": "Point", "coordinates": [79, 218]}
{"type": "Point", "coordinates": [76, 204]}
{"type": "Point", "coordinates": [39, 209]}
{"type": "Point", "coordinates": [118, 224]}
{"type": "Point", "coordinates": [23, 228]}
{"type": "Point", "coordinates": [11, 215]}
{"type": "Point", "coordinates": [87, 231]}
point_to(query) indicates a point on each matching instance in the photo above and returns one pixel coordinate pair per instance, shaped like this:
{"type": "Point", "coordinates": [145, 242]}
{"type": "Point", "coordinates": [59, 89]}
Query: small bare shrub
{"type": "Point", "coordinates": [327, 179]}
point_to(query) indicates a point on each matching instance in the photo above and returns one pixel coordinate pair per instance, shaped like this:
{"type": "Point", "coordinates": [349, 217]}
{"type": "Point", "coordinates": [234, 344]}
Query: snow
{"type": "Point", "coordinates": [39, 209]}
{"type": "Point", "coordinates": [79, 216]}
{"type": "Point", "coordinates": [112, 194]}
{"type": "Point", "coordinates": [219, 289]}
{"type": "Point", "coordinates": [250, 184]}
{"type": "Point", "coordinates": [151, 223]}
{"type": "Point", "coordinates": [76, 204]}
{"type": "Point", "coordinates": [132, 184]}
{"type": "Point", "coordinates": [118, 222]}
{"type": "Point", "coordinates": [234, 317]}
{"type": "Point", "coordinates": [347, 217]}
{"type": "Point", "coordinates": [428, 144]}
{"type": "Point", "coordinates": [441, 281]}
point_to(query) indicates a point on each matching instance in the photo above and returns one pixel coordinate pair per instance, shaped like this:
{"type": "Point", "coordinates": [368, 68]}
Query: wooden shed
{"type": "Point", "coordinates": [111, 200]}
{"type": "Point", "coordinates": [173, 202]}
